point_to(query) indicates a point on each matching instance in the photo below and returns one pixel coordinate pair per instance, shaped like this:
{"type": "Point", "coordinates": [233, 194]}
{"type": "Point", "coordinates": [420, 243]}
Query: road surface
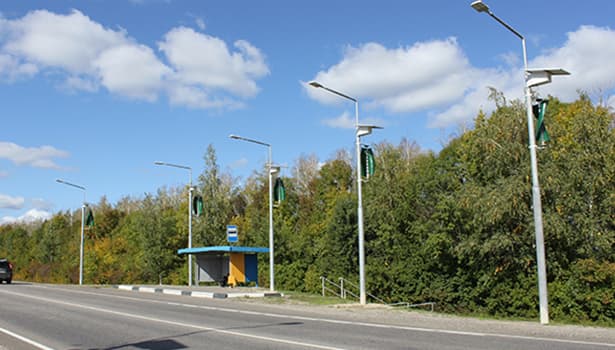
{"type": "Point", "coordinates": [40, 316]}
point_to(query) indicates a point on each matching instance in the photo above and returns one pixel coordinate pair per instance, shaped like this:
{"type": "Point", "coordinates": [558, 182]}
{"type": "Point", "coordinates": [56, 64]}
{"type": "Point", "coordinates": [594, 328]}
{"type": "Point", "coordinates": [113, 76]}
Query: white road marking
{"type": "Point", "coordinates": [173, 323]}
{"type": "Point", "coordinates": [25, 340]}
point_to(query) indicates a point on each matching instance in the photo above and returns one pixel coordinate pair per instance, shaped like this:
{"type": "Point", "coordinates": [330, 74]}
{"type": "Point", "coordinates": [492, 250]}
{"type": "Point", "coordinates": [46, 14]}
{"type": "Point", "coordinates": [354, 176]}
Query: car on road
{"type": "Point", "coordinates": [6, 271]}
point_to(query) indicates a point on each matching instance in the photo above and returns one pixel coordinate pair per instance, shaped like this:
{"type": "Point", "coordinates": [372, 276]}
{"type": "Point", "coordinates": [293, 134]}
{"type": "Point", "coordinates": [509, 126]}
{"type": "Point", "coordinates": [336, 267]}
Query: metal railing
{"type": "Point", "coordinates": [341, 290]}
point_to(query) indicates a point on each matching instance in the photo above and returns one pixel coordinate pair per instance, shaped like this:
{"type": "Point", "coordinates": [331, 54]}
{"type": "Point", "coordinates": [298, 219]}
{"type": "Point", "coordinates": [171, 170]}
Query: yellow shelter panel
{"type": "Point", "coordinates": [237, 271]}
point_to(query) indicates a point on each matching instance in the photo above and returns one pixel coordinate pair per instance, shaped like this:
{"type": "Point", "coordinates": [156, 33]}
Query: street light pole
{"type": "Point", "coordinates": [190, 189]}
{"type": "Point", "coordinates": [360, 130]}
{"type": "Point", "coordinates": [82, 226]}
{"type": "Point", "coordinates": [532, 77]}
{"type": "Point", "coordinates": [272, 170]}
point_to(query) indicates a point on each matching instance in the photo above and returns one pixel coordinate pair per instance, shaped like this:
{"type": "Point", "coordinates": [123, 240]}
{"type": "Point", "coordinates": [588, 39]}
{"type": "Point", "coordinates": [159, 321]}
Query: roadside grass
{"type": "Point", "coordinates": [316, 299]}
{"type": "Point", "coordinates": [292, 297]}
{"type": "Point", "coordinates": [301, 298]}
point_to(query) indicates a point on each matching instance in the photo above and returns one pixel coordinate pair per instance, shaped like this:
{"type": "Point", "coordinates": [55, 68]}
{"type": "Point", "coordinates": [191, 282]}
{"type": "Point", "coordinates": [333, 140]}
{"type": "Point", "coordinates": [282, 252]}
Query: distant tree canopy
{"type": "Point", "coordinates": [455, 228]}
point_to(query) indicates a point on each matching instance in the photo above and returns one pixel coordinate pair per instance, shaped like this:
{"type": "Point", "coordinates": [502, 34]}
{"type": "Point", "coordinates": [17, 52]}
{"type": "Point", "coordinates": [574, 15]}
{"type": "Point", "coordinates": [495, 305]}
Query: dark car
{"type": "Point", "coordinates": [6, 271]}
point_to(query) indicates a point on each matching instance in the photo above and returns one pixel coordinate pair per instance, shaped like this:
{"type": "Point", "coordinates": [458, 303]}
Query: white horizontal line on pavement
{"type": "Point", "coordinates": [25, 340]}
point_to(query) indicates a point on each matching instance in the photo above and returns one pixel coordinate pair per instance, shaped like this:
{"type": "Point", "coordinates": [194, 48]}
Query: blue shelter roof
{"type": "Point", "coordinates": [223, 249]}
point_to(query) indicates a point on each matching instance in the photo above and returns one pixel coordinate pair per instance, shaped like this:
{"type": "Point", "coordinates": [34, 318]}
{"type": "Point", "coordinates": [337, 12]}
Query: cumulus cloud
{"type": "Point", "coordinates": [38, 157]}
{"type": "Point", "coordinates": [435, 77]}
{"type": "Point", "coordinates": [206, 61]}
{"type": "Point", "coordinates": [8, 202]}
{"type": "Point", "coordinates": [402, 79]}
{"type": "Point", "coordinates": [31, 215]}
{"type": "Point", "coordinates": [131, 70]}
{"type": "Point", "coordinates": [71, 42]}
{"type": "Point", "coordinates": [88, 56]}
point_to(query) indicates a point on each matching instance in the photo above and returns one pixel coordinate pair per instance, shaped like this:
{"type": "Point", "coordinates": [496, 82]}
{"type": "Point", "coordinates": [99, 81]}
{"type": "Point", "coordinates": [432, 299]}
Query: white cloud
{"type": "Point", "coordinates": [401, 80]}
{"type": "Point", "coordinates": [205, 62]}
{"type": "Point", "coordinates": [71, 42]}
{"type": "Point", "coordinates": [31, 215]}
{"type": "Point", "coordinates": [8, 202]}
{"type": "Point", "coordinates": [86, 55]}
{"type": "Point", "coordinates": [435, 76]}
{"type": "Point", "coordinates": [131, 70]}
{"type": "Point", "coordinates": [38, 157]}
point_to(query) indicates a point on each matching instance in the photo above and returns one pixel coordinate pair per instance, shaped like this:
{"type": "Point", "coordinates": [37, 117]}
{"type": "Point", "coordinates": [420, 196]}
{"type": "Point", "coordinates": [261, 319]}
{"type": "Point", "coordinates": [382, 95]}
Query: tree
{"type": "Point", "coordinates": [218, 206]}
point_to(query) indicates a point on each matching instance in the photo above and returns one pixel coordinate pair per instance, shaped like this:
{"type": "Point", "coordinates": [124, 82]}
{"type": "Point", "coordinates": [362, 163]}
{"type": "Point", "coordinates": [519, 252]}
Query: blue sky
{"type": "Point", "coordinates": [94, 92]}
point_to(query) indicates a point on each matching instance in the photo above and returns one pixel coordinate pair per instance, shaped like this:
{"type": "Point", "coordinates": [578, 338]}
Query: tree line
{"type": "Point", "coordinates": [454, 227]}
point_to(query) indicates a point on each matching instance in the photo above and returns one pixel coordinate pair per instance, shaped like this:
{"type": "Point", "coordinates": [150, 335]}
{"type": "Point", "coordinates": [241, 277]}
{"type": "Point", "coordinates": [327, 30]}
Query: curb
{"type": "Point", "coordinates": [197, 294]}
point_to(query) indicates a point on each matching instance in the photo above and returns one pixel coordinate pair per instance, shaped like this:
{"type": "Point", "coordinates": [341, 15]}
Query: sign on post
{"type": "Point", "coordinates": [231, 233]}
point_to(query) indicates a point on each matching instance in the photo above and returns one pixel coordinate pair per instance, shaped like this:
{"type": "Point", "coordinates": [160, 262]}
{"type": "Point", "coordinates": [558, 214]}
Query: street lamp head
{"type": "Point", "coordinates": [158, 162]}
{"type": "Point", "coordinates": [480, 6]}
{"type": "Point", "coordinates": [71, 184]}
{"type": "Point", "coordinates": [241, 138]}
{"type": "Point", "coordinates": [316, 84]}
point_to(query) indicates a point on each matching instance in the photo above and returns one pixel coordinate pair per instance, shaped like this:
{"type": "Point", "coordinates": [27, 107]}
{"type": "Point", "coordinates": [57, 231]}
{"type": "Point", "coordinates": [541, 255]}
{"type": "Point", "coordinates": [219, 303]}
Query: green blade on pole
{"type": "Point", "coordinates": [89, 219]}
{"type": "Point", "coordinates": [368, 163]}
{"type": "Point", "coordinates": [542, 136]}
{"type": "Point", "coordinates": [279, 191]}
{"type": "Point", "coordinates": [197, 205]}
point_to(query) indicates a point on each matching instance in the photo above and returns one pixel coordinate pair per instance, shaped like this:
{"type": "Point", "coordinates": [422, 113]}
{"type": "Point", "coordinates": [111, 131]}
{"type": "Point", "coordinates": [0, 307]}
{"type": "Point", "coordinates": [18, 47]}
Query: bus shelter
{"type": "Point", "coordinates": [226, 265]}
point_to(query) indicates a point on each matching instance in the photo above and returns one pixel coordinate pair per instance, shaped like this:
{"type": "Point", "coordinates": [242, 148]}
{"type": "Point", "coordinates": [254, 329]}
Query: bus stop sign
{"type": "Point", "coordinates": [231, 233]}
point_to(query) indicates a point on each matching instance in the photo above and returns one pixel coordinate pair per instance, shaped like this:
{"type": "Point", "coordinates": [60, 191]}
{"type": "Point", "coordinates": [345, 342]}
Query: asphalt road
{"type": "Point", "coordinates": [36, 316]}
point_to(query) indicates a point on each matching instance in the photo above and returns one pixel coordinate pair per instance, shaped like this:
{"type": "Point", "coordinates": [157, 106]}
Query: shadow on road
{"type": "Point", "coordinates": [154, 344]}
{"type": "Point", "coordinates": [167, 343]}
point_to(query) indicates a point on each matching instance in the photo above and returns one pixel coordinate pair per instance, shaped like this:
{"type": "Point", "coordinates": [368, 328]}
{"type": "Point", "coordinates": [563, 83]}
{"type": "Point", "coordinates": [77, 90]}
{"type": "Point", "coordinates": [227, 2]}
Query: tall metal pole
{"type": "Point", "coordinates": [81, 244]}
{"type": "Point", "coordinates": [83, 205]}
{"type": "Point", "coordinates": [271, 169]}
{"type": "Point", "coordinates": [536, 200]}
{"type": "Point", "coordinates": [362, 293]}
{"type": "Point", "coordinates": [271, 274]}
{"type": "Point", "coordinates": [543, 299]}
{"type": "Point", "coordinates": [190, 189]}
